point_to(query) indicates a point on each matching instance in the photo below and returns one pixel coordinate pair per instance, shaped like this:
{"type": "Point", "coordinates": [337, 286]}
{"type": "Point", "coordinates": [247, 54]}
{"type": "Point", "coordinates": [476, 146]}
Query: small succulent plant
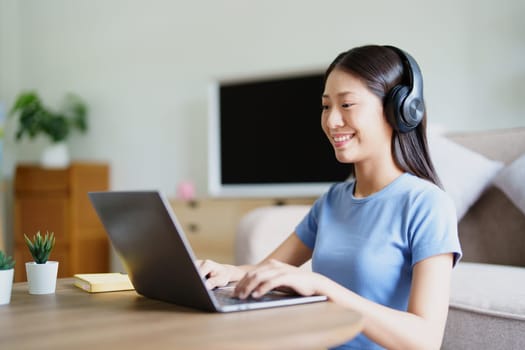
{"type": "Point", "coordinates": [40, 247]}
{"type": "Point", "coordinates": [6, 261]}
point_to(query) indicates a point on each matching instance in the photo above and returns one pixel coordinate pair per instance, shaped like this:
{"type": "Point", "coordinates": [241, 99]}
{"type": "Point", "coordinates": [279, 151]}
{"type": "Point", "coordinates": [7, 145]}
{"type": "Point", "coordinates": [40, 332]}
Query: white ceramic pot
{"type": "Point", "coordinates": [42, 278]}
{"type": "Point", "coordinates": [6, 284]}
{"type": "Point", "coordinates": [55, 155]}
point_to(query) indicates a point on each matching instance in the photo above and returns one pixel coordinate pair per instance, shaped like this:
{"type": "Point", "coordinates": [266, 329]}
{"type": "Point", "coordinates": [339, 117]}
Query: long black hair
{"type": "Point", "coordinates": [380, 68]}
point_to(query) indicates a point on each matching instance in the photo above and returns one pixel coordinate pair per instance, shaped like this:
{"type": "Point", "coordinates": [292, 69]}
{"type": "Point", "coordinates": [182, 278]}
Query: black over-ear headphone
{"type": "Point", "coordinates": [404, 104]}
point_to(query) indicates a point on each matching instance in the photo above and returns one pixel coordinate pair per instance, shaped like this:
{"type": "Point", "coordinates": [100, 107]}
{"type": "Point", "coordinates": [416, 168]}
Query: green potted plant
{"type": "Point", "coordinates": [7, 265]}
{"type": "Point", "coordinates": [36, 119]}
{"type": "Point", "coordinates": [41, 273]}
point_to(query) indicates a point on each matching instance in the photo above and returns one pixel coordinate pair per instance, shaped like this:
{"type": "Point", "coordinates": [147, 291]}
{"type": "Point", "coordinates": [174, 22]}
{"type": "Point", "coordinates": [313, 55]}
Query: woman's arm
{"type": "Point", "coordinates": [420, 327]}
{"type": "Point", "coordinates": [292, 251]}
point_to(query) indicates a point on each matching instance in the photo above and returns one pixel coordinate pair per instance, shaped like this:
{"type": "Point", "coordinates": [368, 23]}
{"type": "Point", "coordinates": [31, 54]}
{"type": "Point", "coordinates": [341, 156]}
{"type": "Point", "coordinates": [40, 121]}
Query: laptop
{"type": "Point", "coordinates": [159, 260]}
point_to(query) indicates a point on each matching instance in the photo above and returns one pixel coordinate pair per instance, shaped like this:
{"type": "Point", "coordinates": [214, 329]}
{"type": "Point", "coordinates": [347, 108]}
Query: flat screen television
{"type": "Point", "coordinates": [265, 138]}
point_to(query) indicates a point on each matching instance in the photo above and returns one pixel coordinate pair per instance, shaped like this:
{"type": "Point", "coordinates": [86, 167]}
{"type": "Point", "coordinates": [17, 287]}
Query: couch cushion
{"type": "Point", "coordinates": [465, 174]}
{"type": "Point", "coordinates": [493, 290]}
{"type": "Point", "coordinates": [504, 145]}
{"type": "Point", "coordinates": [493, 231]}
{"type": "Point", "coordinates": [511, 179]}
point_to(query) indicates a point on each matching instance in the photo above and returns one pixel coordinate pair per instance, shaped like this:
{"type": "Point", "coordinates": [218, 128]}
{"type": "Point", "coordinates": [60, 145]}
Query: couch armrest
{"type": "Point", "coordinates": [262, 230]}
{"type": "Point", "coordinates": [487, 307]}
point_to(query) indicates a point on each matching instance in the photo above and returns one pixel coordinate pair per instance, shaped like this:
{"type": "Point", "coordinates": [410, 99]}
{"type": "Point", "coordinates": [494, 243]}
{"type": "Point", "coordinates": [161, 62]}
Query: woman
{"type": "Point", "coordinates": [385, 243]}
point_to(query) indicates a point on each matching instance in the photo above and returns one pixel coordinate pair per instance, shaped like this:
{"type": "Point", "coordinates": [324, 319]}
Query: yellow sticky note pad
{"type": "Point", "coordinates": [102, 282]}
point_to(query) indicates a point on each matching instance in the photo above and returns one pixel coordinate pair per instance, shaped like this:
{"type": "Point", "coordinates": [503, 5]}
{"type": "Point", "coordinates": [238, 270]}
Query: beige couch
{"type": "Point", "coordinates": [487, 305]}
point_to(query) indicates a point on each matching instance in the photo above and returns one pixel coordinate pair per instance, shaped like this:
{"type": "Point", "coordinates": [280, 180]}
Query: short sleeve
{"type": "Point", "coordinates": [433, 229]}
{"type": "Point", "coordinates": [306, 230]}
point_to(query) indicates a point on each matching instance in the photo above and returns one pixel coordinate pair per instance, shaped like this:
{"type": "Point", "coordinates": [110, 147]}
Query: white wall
{"type": "Point", "coordinates": [143, 66]}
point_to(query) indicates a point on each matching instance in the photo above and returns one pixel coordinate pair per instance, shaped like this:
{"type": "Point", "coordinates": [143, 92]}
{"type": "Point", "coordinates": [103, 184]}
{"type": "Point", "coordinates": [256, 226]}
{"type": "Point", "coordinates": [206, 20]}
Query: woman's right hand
{"type": "Point", "coordinates": [219, 275]}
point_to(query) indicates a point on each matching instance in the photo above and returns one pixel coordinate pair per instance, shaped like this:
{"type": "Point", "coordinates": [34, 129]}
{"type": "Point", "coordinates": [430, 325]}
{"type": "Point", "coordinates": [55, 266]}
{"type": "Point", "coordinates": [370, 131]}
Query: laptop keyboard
{"type": "Point", "coordinates": [225, 297]}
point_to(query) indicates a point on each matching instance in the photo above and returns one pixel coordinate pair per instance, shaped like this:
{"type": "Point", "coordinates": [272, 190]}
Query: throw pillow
{"type": "Point", "coordinates": [464, 173]}
{"type": "Point", "coordinates": [511, 180]}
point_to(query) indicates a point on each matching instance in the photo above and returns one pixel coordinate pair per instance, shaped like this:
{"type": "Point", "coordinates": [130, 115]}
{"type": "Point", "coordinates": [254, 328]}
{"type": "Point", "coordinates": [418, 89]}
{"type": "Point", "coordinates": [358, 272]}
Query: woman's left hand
{"type": "Point", "coordinates": [273, 274]}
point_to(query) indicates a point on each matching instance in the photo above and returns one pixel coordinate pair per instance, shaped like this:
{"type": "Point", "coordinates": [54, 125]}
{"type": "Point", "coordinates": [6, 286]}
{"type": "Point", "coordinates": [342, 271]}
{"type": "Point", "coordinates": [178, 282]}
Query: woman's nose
{"type": "Point", "coordinates": [334, 119]}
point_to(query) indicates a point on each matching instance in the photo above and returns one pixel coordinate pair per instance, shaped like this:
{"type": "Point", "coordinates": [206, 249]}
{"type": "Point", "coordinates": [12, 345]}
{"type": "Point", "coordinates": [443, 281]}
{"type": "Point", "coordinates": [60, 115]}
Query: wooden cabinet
{"type": "Point", "coordinates": [211, 224]}
{"type": "Point", "coordinates": [56, 200]}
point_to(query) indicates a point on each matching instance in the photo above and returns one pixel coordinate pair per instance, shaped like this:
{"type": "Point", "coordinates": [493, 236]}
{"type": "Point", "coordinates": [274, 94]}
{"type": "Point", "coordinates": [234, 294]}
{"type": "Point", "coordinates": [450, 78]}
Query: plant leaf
{"type": "Point", "coordinates": [36, 119]}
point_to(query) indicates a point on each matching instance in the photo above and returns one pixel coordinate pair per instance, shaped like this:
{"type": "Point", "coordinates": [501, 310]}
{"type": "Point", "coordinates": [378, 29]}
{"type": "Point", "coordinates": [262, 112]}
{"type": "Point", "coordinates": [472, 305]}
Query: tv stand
{"type": "Point", "coordinates": [211, 223]}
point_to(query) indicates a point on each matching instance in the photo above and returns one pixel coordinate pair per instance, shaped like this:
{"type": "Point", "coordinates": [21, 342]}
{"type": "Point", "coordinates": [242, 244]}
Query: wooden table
{"type": "Point", "coordinates": [74, 319]}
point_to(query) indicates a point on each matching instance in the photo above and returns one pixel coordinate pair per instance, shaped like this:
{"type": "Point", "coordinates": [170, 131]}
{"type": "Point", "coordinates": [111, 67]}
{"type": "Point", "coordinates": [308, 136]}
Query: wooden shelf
{"type": "Point", "coordinates": [56, 200]}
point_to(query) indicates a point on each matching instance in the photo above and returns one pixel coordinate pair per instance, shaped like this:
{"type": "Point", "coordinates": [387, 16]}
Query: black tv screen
{"type": "Point", "coordinates": [266, 138]}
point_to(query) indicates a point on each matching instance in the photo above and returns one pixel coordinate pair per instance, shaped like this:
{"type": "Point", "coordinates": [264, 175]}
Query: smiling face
{"type": "Point", "coordinates": [353, 121]}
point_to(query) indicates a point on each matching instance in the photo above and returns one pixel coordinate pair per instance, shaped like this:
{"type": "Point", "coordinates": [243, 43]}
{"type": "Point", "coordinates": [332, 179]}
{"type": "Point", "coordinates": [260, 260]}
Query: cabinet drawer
{"type": "Point", "coordinates": [84, 179]}
{"type": "Point", "coordinates": [34, 178]}
{"type": "Point", "coordinates": [49, 213]}
{"type": "Point", "coordinates": [92, 255]}
{"type": "Point", "coordinates": [205, 217]}
{"type": "Point", "coordinates": [209, 227]}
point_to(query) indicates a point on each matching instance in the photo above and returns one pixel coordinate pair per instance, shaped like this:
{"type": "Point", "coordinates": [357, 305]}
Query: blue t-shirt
{"type": "Point", "coordinates": [370, 245]}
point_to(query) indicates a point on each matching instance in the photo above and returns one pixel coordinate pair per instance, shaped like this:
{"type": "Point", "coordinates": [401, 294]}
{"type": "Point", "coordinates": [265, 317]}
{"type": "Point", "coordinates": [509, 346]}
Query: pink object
{"type": "Point", "coordinates": [186, 190]}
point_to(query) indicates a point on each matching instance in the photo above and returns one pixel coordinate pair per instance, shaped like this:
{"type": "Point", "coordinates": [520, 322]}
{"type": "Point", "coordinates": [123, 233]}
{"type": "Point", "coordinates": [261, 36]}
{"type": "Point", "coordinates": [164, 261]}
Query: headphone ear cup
{"type": "Point", "coordinates": [394, 107]}
{"type": "Point", "coordinates": [413, 112]}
